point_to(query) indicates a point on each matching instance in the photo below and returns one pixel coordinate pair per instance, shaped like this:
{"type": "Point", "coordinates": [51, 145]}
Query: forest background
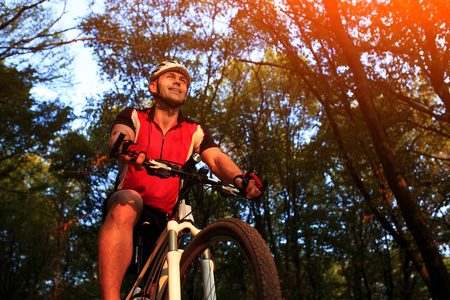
{"type": "Point", "coordinates": [343, 105]}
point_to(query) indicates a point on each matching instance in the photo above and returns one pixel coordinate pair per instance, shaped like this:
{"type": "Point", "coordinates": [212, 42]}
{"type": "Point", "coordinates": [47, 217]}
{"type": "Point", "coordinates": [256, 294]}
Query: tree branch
{"type": "Point", "coordinates": [21, 11]}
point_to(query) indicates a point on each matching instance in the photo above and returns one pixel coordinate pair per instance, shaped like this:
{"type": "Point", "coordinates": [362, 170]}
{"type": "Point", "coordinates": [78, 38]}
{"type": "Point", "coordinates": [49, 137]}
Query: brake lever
{"type": "Point", "coordinates": [155, 164]}
{"type": "Point", "coordinates": [160, 169]}
{"type": "Point", "coordinates": [227, 190]}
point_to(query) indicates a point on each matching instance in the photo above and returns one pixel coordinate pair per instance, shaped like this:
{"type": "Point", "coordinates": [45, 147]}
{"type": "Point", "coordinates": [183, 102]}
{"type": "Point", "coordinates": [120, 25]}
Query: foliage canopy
{"type": "Point", "coordinates": [343, 105]}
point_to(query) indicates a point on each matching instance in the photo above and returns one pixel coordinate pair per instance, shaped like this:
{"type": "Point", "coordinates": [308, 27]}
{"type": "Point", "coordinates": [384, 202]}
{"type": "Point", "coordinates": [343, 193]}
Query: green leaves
{"type": "Point", "coordinates": [273, 85]}
{"type": "Point", "coordinates": [46, 177]}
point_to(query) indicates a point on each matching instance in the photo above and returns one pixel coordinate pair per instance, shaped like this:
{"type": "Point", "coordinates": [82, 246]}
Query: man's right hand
{"type": "Point", "coordinates": [132, 154]}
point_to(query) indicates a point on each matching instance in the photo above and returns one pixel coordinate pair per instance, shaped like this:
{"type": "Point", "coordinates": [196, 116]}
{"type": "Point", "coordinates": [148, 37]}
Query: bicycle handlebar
{"type": "Point", "coordinates": [164, 169]}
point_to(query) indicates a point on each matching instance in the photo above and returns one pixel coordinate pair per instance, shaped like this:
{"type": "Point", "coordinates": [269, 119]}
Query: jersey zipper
{"type": "Point", "coordinates": [164, 137]}
{"type": "Point", "coordinates": [162, 144]}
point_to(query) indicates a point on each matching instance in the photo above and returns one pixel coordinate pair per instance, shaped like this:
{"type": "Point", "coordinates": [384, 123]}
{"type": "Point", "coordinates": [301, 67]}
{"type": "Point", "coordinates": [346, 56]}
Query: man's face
{"type": "Point", "coordinates": [172, 87]}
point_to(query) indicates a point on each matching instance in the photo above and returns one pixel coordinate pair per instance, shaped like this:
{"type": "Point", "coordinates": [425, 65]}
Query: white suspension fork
{"type": "Point", "coordinates": [174, 256]}
{"type": "Point", "coordinates": [207, 270]}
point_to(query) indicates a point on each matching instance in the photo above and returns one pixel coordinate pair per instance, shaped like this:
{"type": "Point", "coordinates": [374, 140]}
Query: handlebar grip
{"type": "Point", "coordinates": [116, 147]}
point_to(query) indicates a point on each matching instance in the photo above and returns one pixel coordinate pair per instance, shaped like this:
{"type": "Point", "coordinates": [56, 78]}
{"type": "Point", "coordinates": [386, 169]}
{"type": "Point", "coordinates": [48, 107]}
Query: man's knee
{"type": "Point", "coordinates": [124, 206]}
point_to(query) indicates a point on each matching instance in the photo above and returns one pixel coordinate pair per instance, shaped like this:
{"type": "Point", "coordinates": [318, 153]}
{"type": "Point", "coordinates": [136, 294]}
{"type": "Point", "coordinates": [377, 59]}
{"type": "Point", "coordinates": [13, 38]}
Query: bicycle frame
{"type": "Point", "coordinates": [171, 275]}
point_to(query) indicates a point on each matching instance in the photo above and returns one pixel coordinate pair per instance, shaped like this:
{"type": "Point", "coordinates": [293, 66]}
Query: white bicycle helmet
{"type": "Point", "coordinates": [167, 66]}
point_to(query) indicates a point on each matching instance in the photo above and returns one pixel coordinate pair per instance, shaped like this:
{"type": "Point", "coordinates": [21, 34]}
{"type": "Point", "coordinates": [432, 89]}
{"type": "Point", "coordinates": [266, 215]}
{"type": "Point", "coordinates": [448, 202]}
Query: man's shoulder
{"type": "Point", "coordinates": [129, 111]}
{"type": "Point", "coordinates": [190, 121]}
{"type": "Point", "coordinates": [193, 123]}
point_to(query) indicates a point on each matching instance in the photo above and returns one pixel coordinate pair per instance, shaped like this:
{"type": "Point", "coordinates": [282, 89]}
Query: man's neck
{"type": "Point", "coordinates": [165, 116]}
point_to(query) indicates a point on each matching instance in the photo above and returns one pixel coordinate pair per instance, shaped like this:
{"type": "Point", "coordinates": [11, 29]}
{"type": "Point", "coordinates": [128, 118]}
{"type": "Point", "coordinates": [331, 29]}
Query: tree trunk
{"type": "Point", "coordinates": [414, 219]}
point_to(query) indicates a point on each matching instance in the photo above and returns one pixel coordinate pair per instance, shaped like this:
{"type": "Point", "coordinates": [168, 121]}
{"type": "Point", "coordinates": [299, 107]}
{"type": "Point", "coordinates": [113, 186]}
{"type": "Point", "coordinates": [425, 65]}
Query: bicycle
{"type": "Point", "coordinates": [194, 272]}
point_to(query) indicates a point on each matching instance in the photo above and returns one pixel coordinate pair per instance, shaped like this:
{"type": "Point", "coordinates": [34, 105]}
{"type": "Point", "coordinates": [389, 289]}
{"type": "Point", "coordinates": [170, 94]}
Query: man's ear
{"type": "Point", "coordinates": [152, 87]}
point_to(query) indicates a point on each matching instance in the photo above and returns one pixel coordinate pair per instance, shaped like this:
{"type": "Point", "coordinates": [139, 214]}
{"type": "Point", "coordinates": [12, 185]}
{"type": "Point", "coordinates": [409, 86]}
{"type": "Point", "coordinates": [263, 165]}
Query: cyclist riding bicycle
{"type": "Point", "coordinates": [159, 132]}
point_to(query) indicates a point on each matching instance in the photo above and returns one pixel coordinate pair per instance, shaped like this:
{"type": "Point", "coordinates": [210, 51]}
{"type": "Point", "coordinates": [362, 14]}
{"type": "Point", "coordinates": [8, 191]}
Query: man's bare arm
{"type": "Point", "coordinates": [129, 135]}
{"type": "Point", "coordinates": [225, 169]}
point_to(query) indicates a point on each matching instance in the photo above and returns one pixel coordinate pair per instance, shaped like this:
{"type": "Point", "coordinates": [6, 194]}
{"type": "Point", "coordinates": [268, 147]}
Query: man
{"type": "Point", "coordinates": [160, 132]}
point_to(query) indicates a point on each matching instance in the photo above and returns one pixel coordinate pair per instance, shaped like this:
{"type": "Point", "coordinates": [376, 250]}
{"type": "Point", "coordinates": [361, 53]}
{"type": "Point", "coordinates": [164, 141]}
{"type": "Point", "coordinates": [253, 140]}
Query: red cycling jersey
{"type": "Point", "coordinates": [177, 145]}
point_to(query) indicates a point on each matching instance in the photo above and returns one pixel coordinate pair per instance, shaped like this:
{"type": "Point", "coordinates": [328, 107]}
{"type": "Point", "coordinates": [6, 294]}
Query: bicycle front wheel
{"type": "Point", "coordinates": [243, 265]}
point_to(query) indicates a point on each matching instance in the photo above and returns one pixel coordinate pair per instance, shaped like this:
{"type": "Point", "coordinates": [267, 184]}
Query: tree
{"type": "Point", "coordinates": [27, 132]}
{"type": "Point", "coordinates": [28, 127]}
{"type": "Point", "coordinates": [270, 24]}
{"type": "Point", "coordinates": [49, 217]}
{"type": "Point", "coordinates": [415, 220]}
{"type": "Point", "coordinates": [334, 188]}
{"type": "Point", "coordinates": [50, 212]}
{"type": "Point", "coordinates": [29, 27]}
